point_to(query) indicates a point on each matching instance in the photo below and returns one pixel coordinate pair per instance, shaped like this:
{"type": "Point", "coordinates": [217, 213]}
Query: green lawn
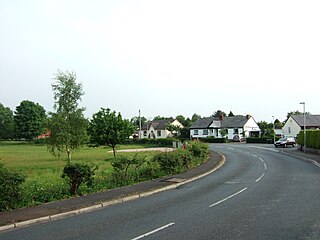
{"type": "Point", "coordinates": [37, 163]}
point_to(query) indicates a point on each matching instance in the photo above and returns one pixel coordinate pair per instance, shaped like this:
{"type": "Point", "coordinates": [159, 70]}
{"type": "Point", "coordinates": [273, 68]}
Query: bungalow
{"type": "Point", "coordinates": [234, 127]}
{"type": "Point", "coordinates": [158, 129]}
{"type": "Point", "coordinates": [295, 124]}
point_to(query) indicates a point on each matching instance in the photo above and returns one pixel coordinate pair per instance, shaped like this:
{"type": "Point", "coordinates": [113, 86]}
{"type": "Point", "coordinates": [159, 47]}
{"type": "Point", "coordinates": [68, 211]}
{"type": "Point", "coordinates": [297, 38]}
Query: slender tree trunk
{"type": "Point", "coordinates": [69, 156]}
{"type": "Point", "coordinates": [114, 151]}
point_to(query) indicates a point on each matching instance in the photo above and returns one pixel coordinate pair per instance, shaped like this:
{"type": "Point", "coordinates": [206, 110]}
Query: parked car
{"type": "Point", "coordinates": [238, 138]}
{"type": "Point", "coordinates": [284, 142]}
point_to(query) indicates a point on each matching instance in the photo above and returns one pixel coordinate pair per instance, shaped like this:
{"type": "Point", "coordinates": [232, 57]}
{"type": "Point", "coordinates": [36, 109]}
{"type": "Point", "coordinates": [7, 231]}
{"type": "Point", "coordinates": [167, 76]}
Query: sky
{"type": "Point", "coordinates": [167, 57]}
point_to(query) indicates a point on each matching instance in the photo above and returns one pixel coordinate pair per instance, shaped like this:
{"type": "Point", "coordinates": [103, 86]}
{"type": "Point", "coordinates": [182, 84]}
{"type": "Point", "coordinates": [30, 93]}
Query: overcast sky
{"type": "Point", "coordinates": [165, 57]}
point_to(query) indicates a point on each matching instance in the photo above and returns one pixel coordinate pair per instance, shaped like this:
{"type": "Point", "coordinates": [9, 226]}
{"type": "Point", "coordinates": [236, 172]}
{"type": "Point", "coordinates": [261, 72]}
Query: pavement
{"type": "Point", "coordinates": [73, 206]}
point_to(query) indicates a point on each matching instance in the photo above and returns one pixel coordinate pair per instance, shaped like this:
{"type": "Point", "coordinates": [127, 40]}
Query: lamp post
{"type": "Point", "coordinates": [274, 133]}
{"type": "Point", "coordinates": [304, 127]}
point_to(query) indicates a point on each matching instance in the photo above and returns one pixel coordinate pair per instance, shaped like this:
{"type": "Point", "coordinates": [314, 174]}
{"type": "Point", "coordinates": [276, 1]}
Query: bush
{"type": "Point", "coordinates": [76, 174]}
{"type": "Point", "coordinates": [213, 140]}
{"type": "Point", "coordinates": [10, 182]}
{"type": "Point", "coordinates": [161, 142]}
{"type": "Point", "coordinates": [259, 140]}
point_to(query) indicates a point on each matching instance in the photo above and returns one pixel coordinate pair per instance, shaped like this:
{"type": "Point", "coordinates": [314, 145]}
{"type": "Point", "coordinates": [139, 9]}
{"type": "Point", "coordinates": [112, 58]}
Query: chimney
{"type": "Point", "coordinates": [221, 117]}
{"type": "Point", "coordinates": [248, 116]}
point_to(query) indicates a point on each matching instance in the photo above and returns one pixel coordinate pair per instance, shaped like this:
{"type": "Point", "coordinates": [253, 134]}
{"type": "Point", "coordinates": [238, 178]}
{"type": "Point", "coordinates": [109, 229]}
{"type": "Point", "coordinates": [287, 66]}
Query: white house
{"type": "Point", "coordinates": [244, 126]}
{"type": "Point", "coordinates": [158, 129]}
{"type": "Point", "coordinates": [295, 124]}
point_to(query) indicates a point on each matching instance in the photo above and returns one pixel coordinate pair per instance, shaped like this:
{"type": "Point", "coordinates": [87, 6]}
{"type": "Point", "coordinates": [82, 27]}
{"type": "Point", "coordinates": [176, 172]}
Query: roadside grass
{"type": "Point", "coordinates": [43, 170]}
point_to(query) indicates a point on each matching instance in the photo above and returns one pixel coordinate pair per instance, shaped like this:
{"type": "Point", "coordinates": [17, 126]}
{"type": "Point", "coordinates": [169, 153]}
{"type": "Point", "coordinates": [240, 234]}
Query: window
{"type": "Point", "coordinates": [195, 132]}
{"type": "Point", "coordinates": [159, 133]}
{"type": "Point", "coordinates": [145, 133]}
{"type": "Point", "coordinates": [289, 129]}
{"type": "Point", "coordinates": [236, 131]}
{"type": "Point", "coordinates": [205, 132]}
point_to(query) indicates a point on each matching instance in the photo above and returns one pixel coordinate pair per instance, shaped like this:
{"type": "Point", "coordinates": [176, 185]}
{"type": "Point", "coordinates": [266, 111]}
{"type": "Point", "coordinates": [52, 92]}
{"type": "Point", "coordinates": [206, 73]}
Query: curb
{"type": "Point", "coordinates": [302, 158]}
{"type": "Point", "coordinates": [108, 203]}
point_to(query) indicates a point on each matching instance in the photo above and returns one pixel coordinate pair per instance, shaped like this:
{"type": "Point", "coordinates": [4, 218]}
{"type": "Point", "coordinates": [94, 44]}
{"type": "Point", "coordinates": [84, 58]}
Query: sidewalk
{"type": "Point", "coordinates": [73, 206]}
{"type": "Point", "coordinates": [300, 154]}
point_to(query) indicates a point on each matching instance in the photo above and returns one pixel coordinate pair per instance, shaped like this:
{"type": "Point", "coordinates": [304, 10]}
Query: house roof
{"type": "Point", "coordinates": [202, 123]}
{"type": "Point", "coordinates": [226, 122]}
{"type": "Point", "coordinates": [157, 125]}
{"type": "Point", "coordinates": [311, 120]}
{"type": "Point", "coordinates": [234, 122]}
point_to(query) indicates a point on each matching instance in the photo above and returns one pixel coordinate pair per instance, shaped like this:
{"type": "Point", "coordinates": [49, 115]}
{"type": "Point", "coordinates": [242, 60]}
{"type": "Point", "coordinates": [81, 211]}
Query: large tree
{"type": "Point", "coordinates": [6, 122]}
{"type": "Point", "coordinates": [108, 128]}
{"type": "Point", "coordinates": [219, 113]}
{"type": "Point", "coordinates": [67, 125]}
{"type": "Point", "coordinates": [29, 120]}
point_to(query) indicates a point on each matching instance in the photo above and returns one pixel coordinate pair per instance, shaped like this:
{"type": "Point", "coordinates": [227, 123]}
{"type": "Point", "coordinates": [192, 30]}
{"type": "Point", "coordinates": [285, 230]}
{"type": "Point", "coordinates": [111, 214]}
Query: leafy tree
{"type": "Point", "coordinates": [175, 130]}
{"type": "Point", "coordinates": [67, 126]}
{"type": "Point", "coordinates": [136, 122]}
{"type": "Point", "coordinates": [6, 122]}
{"type": "Point", "coordinates": [108, 128]}
{"type": "Point", "coordinates": [277, 124]}
{"type": "Point", "coordinates": [29, 120]}
{"type": "Point", "coordinates": [162, 118]}
{"type": "Point", "coordinates": [195, 117]}
{"type": "Point", "coordinates": [266, 128]}
{"type": "Point", "coordinates": [218, 114]}
{"type": "Point", "coordinates": [230, 114]}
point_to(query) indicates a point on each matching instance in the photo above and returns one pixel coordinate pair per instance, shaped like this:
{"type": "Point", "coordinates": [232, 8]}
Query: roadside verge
{"type": "Point", "coordinates": [73, 206]}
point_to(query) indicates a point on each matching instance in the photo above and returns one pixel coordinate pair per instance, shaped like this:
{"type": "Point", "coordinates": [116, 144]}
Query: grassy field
{"type": "Point", "coordinates": [36, 162]}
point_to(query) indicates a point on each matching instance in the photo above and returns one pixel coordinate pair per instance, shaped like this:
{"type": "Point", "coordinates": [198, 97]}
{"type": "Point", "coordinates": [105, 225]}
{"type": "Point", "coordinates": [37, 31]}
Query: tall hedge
{"type": "Point", "coordinates": [312, 139]}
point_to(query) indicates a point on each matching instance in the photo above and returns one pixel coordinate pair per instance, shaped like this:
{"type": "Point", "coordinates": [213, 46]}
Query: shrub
{"type": "Point", "coordinates": [259, 140]}
{"type": "Point", "coordinates": [312, 137]}
{"type": "Point", "coordinates": [76, 174]}
{"type": "Point", "coordinates": [198, 149]}
{"type": "Point", "coordinates": [161, 142]}
{"type": "Point", "coordinates": [10, 182]}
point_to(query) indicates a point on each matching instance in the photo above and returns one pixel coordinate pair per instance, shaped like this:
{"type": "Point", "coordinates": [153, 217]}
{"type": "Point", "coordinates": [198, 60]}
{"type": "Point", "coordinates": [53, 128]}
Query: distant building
{"type": "Point", "coordinates": [295, 124]}
{"type": "Point", "coordinates": [158, 129]}
{"type": "Point", "coordinates": [235, 127]}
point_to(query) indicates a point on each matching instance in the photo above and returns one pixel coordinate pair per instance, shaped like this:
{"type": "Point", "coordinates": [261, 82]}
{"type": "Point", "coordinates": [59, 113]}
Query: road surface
{"type": "Point", "coordinates": [260, 193]}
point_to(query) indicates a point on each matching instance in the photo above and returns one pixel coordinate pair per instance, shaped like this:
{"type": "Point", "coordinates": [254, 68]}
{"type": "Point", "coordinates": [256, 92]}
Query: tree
{"type": "Point", "coordinates": [135, 121]}
{"type": "Point", "coordinates": [266, 128]}
{"type": "Point", "coordinates": [219, 113]}
{"type": "Point", "coordinates": [230, 114]}
{"type": "Point", "coordinates": [108, 128]}
{"type": "Point", "coordinates": [29, 120]}
{"type": "Point", "coordinates": [195, 117]}
{"type": "Point", "coordinates": [297, 112]}
{"type": "Point", "coordinates": [67, 126]}
{"type": "Point", "coordinates": [6, 122]}
{"type": "Point", "coordinates": [277, 124]}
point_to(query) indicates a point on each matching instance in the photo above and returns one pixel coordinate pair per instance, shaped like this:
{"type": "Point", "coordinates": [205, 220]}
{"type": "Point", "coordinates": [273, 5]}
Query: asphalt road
{"type": "Point", "coordinates": [259, 193]}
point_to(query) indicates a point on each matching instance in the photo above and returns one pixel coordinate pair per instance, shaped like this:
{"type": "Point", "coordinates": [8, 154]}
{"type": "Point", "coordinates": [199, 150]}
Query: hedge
{"type": "Point", "coordinates": [161, 142]}
{"type": "Point", "coordinates": [259, 140]}
{"type": "Point", "coordinates": [213, 140]}
{"type": "Point", "coordinates": [313, 139]}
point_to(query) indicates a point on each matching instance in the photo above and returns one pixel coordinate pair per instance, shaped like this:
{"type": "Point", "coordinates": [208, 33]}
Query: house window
{"type": "Point", "coordinates": [289, 129]}
{"type": "Point", "coordinates": [145, 133]}
{"type": "Point", "coordinates": [159, 133]}
{"type": "Point", "coordinates": [236, 131]}
{"type": "Point", "coordinates": [205, 132]}
{"type": "Point", "coordinates": [195, 132]}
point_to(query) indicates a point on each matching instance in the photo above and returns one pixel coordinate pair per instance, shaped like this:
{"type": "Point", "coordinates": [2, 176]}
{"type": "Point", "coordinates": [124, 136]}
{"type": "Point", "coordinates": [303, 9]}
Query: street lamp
{"type": "Point", "coordinates": [304, 127]}
{"type": "Point", "coordinates": [274, 133]}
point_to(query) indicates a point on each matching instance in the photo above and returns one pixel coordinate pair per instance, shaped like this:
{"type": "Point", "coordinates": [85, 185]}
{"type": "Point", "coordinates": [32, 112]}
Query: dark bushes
{"type": "Point", "coordinates": [10, 182]}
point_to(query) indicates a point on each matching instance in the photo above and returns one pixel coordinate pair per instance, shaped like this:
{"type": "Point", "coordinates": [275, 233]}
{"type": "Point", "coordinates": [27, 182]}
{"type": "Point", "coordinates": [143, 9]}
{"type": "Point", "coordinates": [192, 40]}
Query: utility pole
{"type": "Point", "coordinates": [139, 124]}
{"type": "Point", "coordinates": [304, 127]}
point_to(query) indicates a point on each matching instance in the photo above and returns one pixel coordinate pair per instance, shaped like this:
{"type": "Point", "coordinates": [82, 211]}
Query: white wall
{"type": "Point", "coordinates": [291, 127]}
{"type": "Point", "coordinates": [250, 126]}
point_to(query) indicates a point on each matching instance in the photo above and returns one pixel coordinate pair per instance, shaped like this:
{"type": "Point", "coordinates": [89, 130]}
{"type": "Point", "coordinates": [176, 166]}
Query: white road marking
{"type": "Point", "coordinates": [260, 177]}
{"type": "Point", "coordinates": [230, 148]}
{"type": "Point", "coordinates": [261, 160]}
{"type": "Point", "coordinates": [227, 198]}
{"type": "Point", "coordinates": [268, 149]}
{"type": "Point", "coordinates": [265, 166]}
{"type": "Point", "coordinates": [154, 231]}
{"type": "Point", "coordinates": [316, 163]}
